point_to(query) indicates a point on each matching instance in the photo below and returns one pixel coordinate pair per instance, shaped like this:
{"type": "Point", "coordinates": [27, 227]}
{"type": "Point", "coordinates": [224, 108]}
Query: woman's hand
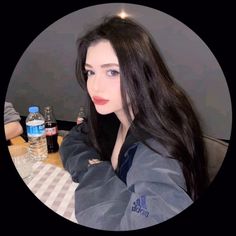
{"type": "Point", "coordinates": [79, 120]}
{"type": "Point", "coordinates": [94, 161]}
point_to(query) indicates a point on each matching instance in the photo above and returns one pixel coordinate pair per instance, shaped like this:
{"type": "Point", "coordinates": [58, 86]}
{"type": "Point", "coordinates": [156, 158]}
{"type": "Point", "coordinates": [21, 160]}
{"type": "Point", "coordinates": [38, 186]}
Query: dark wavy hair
{"type": "Point", "coordinates": [160, 106]}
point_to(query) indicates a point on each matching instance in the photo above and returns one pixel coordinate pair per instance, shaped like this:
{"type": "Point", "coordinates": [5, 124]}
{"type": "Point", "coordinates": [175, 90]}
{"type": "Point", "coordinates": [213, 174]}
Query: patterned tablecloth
{"type": "Point", "coordinates": [54, 187]}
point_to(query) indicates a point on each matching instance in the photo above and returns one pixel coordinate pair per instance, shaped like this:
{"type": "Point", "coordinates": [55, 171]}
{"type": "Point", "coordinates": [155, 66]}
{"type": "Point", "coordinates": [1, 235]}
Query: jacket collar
{"type": "Point", "coordinates": [134, 135]}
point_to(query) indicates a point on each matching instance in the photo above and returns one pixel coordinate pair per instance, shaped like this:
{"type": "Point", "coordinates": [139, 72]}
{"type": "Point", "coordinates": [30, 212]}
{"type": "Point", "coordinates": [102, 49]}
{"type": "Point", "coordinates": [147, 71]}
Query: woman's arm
{"type": "Point", "coordinates": [13, 129]}
{"type": "Point", "coordinates": [12, 125]}
{"type": "Point", "coordinates": [155, 192]}
{"type": "Point", "coordinates": [75, 152]}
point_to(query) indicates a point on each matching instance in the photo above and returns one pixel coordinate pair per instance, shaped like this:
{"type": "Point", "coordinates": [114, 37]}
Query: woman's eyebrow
{"type": "Point", "coordinates": [87, 65]}
{"type": "Point", "coordinates": [103, 65]}
{"type": "Point", "coordinates": [109, 65]}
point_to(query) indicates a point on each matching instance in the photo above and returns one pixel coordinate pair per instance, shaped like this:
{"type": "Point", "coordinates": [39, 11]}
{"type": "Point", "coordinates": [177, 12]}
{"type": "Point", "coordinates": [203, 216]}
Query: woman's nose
{"type": "Point", "coordinates": [97, 83]}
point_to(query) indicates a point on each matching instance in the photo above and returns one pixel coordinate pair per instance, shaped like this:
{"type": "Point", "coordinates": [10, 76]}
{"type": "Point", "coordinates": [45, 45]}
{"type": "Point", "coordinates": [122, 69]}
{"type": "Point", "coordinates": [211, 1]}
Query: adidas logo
{"type": "Point", "coordinates": [140, 207]}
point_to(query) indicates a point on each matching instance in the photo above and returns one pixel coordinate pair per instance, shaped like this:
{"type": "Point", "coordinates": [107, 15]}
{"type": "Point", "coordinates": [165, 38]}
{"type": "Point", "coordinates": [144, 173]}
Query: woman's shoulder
{"type": "Point", "coordinates": [152, 151]}
{"type": "Point", "coordinates": [152, 162]}
{"type": "Point", "coordinates": [140, 154]}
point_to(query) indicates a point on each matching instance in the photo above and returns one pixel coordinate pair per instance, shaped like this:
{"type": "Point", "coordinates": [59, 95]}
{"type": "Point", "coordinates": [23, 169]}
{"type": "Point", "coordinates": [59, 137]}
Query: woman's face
{"type": "Point", "coordinates": [103, 74]}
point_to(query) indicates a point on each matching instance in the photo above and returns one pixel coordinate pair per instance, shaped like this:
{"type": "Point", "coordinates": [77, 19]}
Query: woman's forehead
{"type": "Point", "coordinates": [101, 52]}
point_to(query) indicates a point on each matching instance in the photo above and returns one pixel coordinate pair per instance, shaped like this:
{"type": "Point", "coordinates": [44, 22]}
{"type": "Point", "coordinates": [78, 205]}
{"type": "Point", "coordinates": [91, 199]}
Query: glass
{"type": "Point", "coordinates": [22, 161]}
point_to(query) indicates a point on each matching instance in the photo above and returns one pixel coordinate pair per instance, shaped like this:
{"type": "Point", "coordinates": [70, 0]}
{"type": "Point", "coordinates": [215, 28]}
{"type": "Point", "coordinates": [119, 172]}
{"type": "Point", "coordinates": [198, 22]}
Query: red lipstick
{"type": "Point", "coordinates": [99, 100]}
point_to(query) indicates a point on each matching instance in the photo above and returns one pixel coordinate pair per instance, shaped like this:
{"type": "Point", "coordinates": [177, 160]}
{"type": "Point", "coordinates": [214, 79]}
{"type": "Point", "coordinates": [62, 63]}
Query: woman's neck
{"type": "Point", "coordinates": [124, 123]}
{"type": "Point", "coordinates": [123, 131]}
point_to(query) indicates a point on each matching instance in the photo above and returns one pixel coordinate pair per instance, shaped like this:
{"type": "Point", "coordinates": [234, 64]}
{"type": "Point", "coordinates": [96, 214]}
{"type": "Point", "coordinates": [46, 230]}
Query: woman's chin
{"type": "Point", "coordinates": [102, 111]}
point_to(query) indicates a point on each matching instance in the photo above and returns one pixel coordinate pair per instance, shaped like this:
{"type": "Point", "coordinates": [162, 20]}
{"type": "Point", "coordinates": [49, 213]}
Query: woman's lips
{"type": "Point", "coordinates": [99, 101]}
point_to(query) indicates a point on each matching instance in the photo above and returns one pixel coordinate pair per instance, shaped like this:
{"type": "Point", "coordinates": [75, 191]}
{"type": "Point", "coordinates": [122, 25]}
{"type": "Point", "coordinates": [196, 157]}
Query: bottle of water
{"type": "Point", "coordinates": [35, 125]}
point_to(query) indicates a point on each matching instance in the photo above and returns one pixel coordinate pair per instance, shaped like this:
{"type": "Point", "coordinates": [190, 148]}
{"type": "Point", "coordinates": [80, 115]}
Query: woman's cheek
{"type": "Point", "coordinates": [88, 88]}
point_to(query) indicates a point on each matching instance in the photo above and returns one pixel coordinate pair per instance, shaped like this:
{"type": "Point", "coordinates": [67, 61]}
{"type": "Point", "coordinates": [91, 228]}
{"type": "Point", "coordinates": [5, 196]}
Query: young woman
{"type": "Point", "coordinates": [139, 158]}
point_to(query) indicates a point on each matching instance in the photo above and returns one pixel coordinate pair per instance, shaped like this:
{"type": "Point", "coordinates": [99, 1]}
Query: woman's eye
{"type": "Point", "coordinates": [112, 73]}
{"type": "Point", "coordinates": [89, 73]}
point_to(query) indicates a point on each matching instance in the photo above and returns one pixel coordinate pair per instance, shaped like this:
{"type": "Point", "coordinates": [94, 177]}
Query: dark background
{"type": "Point", "coordinates": [45, 72]}
{"type": "Point", "coordinates": [22, 212]}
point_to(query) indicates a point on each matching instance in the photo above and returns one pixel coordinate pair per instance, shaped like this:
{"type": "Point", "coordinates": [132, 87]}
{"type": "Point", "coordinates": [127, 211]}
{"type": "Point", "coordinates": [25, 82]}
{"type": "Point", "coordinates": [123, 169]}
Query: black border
{"type": "Point", "coordinates": [22, 23]}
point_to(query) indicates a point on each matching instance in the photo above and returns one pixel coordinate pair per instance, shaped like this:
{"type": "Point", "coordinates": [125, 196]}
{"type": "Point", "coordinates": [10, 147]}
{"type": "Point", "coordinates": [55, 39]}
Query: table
{"type": "Point", "coordinates": [51, 184]}
{"type": "Point", "coordinates": [53, 158]}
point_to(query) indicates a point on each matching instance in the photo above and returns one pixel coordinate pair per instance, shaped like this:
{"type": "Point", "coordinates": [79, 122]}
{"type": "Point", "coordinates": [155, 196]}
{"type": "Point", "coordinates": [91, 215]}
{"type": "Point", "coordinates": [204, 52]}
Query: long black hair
{"type": "Point", "coordinates": [160, 106]}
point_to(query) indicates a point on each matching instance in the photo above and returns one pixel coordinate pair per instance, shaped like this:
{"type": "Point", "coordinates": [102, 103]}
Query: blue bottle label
{"type": "Point", "coordinates": [35, 128]}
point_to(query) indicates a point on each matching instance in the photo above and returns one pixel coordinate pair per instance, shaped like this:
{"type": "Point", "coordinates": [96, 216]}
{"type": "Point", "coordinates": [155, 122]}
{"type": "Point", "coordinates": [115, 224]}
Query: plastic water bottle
{"type": "Point", "coordinates": [35, 125]}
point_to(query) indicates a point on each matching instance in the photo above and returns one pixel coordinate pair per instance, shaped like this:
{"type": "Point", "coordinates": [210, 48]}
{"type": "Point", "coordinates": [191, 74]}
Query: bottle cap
{"type": "Point", "coordinates": [34, 109]}
{"type": "Point", "coordinates": [48, 108]}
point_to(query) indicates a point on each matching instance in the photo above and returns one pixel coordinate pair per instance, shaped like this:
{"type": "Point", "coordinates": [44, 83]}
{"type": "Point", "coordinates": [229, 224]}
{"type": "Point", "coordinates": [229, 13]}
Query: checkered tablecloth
{"type": "Point", "coordinates": [54, 187]}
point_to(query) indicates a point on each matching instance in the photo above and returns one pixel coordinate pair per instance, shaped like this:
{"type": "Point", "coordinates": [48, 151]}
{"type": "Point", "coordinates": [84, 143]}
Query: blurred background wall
{"type": "Point", "coordinates": [45, 74]}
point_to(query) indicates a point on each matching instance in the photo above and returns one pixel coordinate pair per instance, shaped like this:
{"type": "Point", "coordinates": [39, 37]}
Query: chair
{"type": "Point", "coordinates": [216, 151]}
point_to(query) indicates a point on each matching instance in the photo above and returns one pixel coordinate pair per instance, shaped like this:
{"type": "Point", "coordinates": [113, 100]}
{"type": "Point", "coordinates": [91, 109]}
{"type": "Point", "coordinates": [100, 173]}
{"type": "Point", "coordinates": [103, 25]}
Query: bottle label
{"type": "Point", "coordinates": [51, 131]}
{"type": "Point", "coordinates": [35, 128]}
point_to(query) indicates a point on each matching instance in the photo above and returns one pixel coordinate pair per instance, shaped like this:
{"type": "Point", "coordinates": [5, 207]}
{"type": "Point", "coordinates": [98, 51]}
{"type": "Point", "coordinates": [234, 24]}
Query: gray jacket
{"type": "Point", "coordinates": [146, 189]}
{"type": "Point", "coordinates": [10, 114]}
